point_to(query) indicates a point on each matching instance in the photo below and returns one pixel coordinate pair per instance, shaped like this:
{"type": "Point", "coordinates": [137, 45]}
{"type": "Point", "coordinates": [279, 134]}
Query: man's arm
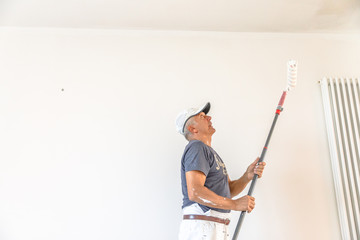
{"type": "Point", "coordinates": [197, 192]}
{"type": "Point", "coordinates": [237, 186]}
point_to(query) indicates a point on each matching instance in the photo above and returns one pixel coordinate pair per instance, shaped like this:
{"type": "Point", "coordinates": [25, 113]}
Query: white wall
{"type": "Point", "coordinates": [101, 159]}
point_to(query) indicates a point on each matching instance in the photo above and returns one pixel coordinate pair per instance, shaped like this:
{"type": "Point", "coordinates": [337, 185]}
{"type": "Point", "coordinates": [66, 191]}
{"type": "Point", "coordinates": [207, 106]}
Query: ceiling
{"type": "Point", "coordinates": [193, 15]}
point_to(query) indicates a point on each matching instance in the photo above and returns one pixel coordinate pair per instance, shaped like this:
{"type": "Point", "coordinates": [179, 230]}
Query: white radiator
{"type": "Point", "coordinates": [342, 113]}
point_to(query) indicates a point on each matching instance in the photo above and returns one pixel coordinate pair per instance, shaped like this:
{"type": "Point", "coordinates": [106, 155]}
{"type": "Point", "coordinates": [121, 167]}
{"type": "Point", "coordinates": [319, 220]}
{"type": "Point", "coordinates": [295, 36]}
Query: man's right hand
{"type": "Point", "coordinates": [245, 203]}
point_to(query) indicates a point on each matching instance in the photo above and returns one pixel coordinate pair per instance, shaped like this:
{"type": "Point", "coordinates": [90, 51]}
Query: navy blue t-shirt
{"type": "Point", "coordinates": [200, 157]}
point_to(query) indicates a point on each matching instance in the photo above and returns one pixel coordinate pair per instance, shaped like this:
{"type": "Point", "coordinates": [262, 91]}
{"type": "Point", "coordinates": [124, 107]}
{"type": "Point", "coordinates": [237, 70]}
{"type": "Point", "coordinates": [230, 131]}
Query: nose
{"type": "Point", "coordinates": [208, 117]}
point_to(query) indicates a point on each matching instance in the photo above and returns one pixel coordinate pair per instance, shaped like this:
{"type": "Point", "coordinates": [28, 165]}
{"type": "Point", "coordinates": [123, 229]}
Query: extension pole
{"type": "Point", "coordinates": [252, 186]}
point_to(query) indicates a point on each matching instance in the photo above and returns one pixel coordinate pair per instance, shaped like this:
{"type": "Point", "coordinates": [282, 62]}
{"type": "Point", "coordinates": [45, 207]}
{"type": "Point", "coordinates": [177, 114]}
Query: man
{"type": "Point", "coordinates": [206, 186]}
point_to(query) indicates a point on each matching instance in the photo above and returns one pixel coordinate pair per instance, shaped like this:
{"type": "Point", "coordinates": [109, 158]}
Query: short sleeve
{"type": "Point", "coordinates": [196, 158]}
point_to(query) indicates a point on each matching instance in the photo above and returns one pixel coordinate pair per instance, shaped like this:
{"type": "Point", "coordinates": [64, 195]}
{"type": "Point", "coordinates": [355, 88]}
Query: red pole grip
{"type": "Point", "coordinates": [282, 99]}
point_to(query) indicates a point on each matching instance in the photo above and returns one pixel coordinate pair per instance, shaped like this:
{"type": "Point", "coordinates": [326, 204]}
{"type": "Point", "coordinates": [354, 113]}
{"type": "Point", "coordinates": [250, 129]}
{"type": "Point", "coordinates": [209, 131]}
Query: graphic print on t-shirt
{"type": "Point", "coordinates": [220, 164]}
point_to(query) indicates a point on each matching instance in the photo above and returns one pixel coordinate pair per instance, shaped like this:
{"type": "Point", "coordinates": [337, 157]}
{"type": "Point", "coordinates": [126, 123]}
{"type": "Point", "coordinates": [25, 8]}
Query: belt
{"type": "Point", "coordinates": [207, 218]}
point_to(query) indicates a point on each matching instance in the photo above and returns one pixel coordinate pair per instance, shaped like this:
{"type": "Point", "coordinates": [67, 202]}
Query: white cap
{"type": "Point", "coordinates": [185, 115]}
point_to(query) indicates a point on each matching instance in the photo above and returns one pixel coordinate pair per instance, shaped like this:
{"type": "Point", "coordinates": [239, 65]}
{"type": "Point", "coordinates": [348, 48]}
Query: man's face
{"type": "Point", "coordinates": [203, 124]}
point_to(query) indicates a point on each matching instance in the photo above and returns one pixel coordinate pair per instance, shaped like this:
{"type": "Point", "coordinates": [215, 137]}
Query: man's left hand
{"type": "Point", "coordinates": [255, 168]}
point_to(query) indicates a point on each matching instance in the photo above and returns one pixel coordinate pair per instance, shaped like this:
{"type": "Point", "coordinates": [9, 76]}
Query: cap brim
{"type": "Point", "coordinates": [206, 108]}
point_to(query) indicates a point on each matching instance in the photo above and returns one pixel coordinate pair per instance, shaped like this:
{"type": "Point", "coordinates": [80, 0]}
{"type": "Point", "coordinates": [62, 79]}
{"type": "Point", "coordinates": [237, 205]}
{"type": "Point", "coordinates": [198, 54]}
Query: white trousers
{"type": "Point", "coordinates": [203, 230]}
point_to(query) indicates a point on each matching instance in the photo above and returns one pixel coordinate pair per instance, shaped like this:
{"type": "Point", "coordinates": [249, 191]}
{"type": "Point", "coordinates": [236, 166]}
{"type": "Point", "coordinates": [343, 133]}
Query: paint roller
{"type": "Point", "coordinates": [291, 82]}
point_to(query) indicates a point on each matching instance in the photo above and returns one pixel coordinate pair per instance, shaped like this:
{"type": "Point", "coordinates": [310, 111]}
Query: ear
{"type": "Point", "coordinates": [192, 129]}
